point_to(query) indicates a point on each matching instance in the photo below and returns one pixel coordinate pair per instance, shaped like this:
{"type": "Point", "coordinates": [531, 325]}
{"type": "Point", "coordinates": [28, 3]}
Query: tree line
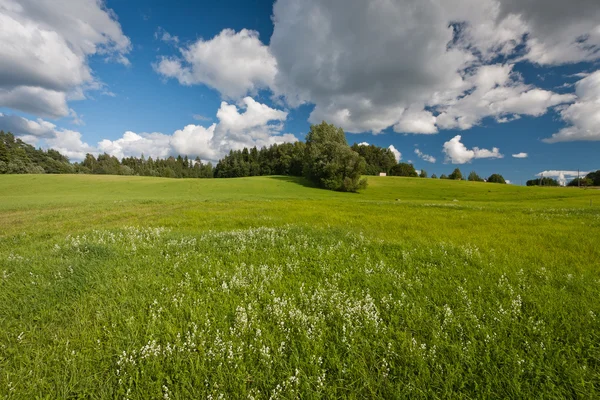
{"type": "Point", "coordinates": [325, 158]}
{"type": "Point", "coordinates": [590, 179]}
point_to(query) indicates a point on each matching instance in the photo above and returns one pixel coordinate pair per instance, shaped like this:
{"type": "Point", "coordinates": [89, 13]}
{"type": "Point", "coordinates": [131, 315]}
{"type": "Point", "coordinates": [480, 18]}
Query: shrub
{"type": "Point", "coordinates": [330, 162]}
{"type": "Point", "coordinates": [496, 178]}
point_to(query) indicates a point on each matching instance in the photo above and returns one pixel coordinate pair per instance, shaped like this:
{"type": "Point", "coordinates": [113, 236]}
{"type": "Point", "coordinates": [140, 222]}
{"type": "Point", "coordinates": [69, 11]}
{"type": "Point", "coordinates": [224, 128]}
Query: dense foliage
{"type": "Point", "coordinates": [543, 182]}
{"type": "Point", "coordinates": [403, 169]}
{"type": "Point", "coordinates": [18, 157]}
{"type": "Point", "coordinates": [378, 159]}
{"type": "Point", "coordinates": [330, 163]}
{"type": "Point", "coordinates": [581, 182]}
{"type": "Point", "coordinates": [594, 177]}
{"type": "Point", "coordinates": [180, 167]}
{"type": "Point", "coordinates": [473, 177]}
{"type": "Point", "coordinates": [456, 175]}
{"type": "Point", "coordinates": [496, 178]}
{"type": "Point", "coordinates": [278, 159]}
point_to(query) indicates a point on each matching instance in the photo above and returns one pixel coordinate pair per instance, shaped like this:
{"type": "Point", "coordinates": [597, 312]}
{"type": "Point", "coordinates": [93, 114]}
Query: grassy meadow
{"type": "Point", "coordinates": [265, 287]}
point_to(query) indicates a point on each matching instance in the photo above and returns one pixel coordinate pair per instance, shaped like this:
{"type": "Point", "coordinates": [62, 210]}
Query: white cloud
{"type": "Point", "coordinates": [44, 47]}
{"type": "Point", "coordinates": [20, 126]}
{"type": "Point", "coordinates": [77, 119]}
{"type": "Point", "coordinates": [248, 124]}
{"type": "Point", "coordinates": [414, 121]}
{"type": "Point", "coordinates": [425, 157]}
{"type": "Point", "coordinates": [520, 155]}
{"type": "Point", "coordinates": [558, 31]}
{"type": "Point", "coordinates": [562, 176]}
{"type": "Point", "coordinates": [199, 117]}
{"type": "Point", "coordinates": [233, 63]}
{"type": "Point", "coordinates": [582, 117]}
{"type": "Point", "coordinates": [131, 144]}
{"type": "Point", "coordinates": [440, 64]}
{"type": "Point", "coordinates": [35, 100]}
{"type": "Point", "coordinates": [326, 55]}
{"type": "Point", "coordinates": [397, 154]}
{"type": "Point", "coordinates": [554, 173]}
{"type": "Point", "coordinates": [493, 91]}
{"type": "Point", "coordinates": [432, 67]}
{"type": "Point", "coordinates": [69, 143]}
{"type": "Point", "coordinates": [165, 36]}
{"type": "Point", "coordinates": [457, 152]}
{"type": "Point", "coordinates": [363, 144]}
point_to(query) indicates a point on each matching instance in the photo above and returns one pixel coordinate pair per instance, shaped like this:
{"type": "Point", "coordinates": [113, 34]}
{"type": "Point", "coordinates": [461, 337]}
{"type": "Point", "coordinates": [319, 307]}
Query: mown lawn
{"type": "Point", "coordinates": [263, 287]}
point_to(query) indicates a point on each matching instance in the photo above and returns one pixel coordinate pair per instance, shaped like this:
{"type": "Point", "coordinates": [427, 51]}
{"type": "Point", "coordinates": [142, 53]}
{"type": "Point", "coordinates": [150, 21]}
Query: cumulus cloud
{"type": "Point", "coordinates": [397, 154]}
{"type": "Point", "coordinates": [326, 55]}
{"type": "Point", "coordinates": [246, 124]}
{"type": "Point", "coordinates": [155, 145]}
{"type": "Point", "coordinates": [20, 126]}
{"type": "Point", "coordinates": [562, 176]}
{"type": "Point", "coordinates": [363, 144]}
{"type": "Point", "coordinates": [457, 153]}
{"type": "Point", "coordinates": [559, 32]}
{"type": "Point", "coordinates": [582, 117]}
{"type": "Point", "coordinates": [493, 91]}
{"type": "Point", "coordinates": [44, 47]}
{"type": "Point", "coordinates": [520, 155]}
{"type": "Point", "coordinates": [35, 100]}
{"type": "Point", "coordinates": [70, 144]}
{"type": "Point", "coordinates": [425, 157]}
{"type": "Point", "coordinates": [414, 121]}
{"type": "Point", "coordinates": [436, 64]}
{"type": "Point", "coordinates": [440, 64]}
{"type": "Point", "coordinates": [234, 63]}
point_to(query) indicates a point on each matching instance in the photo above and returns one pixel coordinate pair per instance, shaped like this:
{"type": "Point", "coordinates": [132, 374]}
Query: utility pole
{"type": "Point", "coordinates": [578, 180]}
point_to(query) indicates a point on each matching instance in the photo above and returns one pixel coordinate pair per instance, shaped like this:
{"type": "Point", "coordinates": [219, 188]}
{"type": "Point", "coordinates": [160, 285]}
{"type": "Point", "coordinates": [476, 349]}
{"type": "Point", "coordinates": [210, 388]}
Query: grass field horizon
{"type": "Point", "coordinates": [266, 287]}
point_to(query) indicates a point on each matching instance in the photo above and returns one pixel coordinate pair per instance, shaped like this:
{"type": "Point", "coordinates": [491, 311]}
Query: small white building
{"type": "Point", "coordinates": [382, 174]}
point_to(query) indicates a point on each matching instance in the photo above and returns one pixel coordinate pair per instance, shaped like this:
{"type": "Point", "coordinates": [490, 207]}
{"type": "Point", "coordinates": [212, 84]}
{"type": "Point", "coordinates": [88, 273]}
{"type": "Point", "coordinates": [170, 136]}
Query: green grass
{"type": "Point", "coordinates": [131, 287]}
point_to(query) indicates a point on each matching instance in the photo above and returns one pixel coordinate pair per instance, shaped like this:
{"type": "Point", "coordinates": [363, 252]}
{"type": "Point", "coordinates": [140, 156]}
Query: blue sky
{"type": "Point", "coordinates": [196, 78]}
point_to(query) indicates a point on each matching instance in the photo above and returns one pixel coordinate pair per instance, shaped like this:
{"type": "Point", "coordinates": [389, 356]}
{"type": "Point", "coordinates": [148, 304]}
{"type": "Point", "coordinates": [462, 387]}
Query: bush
{"type": "Point", "coordinates": [496, 178]}
{"type": "Point", "coordinates": [330, 163]}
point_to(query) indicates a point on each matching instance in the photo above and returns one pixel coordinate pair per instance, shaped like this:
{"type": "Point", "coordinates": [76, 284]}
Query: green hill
{"type": "Point", "coordinates": [117, 286]}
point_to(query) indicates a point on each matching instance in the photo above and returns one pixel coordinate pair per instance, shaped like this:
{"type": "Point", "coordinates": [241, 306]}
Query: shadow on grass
{"type": "Point", "coordinates": [295, 179]}
{"type": "Point", "coordinates": [301, 181]}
